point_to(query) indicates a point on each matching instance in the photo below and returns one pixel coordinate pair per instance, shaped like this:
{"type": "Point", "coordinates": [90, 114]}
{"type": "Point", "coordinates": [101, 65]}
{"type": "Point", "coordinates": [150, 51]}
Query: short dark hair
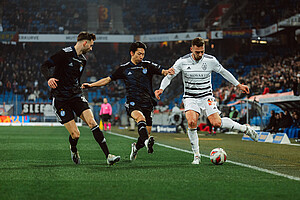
{"type": "Point", "coordinates": [198, 41]}
{"type": "Point", "coordinates": [86, 36]}
{"type": "Point", "coordinates": [135, 45]}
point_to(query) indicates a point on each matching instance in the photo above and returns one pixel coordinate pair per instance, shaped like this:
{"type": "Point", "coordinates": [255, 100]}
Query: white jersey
{"type": "Point", "coordinates": [196, 75]}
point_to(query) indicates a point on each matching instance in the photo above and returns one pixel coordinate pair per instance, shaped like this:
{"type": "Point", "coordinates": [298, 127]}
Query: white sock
{"type": "Point", "coordinates": [194, 140]}
{"type": "Point", "coordinates": [232, 125]}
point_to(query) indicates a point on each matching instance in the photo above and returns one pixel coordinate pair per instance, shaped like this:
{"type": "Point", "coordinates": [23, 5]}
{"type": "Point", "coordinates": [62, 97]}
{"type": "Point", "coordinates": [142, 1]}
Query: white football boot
{"type": "Point", "coordinates": [149, 144]}
{"type": "Point", "coordinates": [75, 157]}
{"type": "Point", "coordinates": [197, 160]}
{"type": "Point", "coordinates": [251, 133]}
{"type": "Point", "coordinates": [112, 159]}
{"type": "Point", "coordinates": [133, 153]}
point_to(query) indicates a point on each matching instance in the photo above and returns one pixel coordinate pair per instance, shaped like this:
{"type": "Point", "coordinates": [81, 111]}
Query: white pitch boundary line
{"type": "Point", "coordinates": [236, 163]}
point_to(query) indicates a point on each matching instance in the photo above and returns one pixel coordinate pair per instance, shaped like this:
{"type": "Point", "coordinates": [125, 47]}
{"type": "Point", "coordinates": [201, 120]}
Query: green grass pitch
{"type": "Point", "coordinates": [35, 163]}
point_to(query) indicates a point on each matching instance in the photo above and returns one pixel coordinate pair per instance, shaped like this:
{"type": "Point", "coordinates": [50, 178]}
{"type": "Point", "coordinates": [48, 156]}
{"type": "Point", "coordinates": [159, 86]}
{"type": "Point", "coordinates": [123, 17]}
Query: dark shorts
{"type": "Point", "coordinates": [105, 117]}
{"type": "Point", "coordinates": [147, 112]}
{"type": "Point", "coordinates": [65, 110]}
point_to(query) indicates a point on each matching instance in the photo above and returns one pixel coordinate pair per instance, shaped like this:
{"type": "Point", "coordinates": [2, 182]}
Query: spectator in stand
{"type": "Point", "coordinates": [285, 120]}
{"type": "Point", "coordinates": [266, 90]}
{"type": "Point", "coordinates": [234, 114]}
{"type": "Point", "coordinates": [296, 124]}
{"type": "Point", "coordinates": [243, 117]}
{"type": "Point", "coordinates": [272, 122]}
{"type": "Point", "coordinates": [105, 114]}
{"type": "Point", "coordinates": [276, 127]}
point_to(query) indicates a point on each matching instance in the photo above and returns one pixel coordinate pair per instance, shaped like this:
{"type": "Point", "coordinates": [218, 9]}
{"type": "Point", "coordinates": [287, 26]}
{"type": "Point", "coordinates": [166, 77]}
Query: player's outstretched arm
{"type": "Point", "coordinates": [101, 82]}
{"type": "Point", "coordinates": [244, 88]}
{"type": "Point", "coordinates": [170, 71]}
{"type": "Point", "coordinates": [158, 93]}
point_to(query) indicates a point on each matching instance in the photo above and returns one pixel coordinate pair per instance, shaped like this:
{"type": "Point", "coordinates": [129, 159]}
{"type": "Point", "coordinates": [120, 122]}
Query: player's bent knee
{"type": "Point", "coordinates": [75, 134]}
{"type": "Point", "coordinates": [216, 123]}
{"type": "Point", "coordinates": [141, 118]}
{"type": "Point", "coordinates": [192, 123]}
{"type": "Point", "coordinates": [91, 123]}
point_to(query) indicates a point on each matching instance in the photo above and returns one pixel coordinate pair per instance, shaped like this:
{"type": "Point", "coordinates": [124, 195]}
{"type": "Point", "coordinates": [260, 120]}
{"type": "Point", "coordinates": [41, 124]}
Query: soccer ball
{"type": "Point", "coordinates": [218, 156]}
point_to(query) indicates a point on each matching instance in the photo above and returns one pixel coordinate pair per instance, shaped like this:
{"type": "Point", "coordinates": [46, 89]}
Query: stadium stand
{"type": "Point", "coordinates": [266, 69]}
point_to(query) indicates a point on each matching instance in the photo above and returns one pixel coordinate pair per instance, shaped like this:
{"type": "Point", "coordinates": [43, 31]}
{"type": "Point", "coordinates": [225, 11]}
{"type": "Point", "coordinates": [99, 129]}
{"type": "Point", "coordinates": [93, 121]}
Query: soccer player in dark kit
{"type": "Point", "coordinates": [137, 75]}
{"type": "Point", "coordinates": [66, 93]}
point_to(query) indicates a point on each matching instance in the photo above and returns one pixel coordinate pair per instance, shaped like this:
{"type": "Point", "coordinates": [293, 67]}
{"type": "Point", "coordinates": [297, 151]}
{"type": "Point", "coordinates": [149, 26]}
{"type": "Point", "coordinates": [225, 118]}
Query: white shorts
{"type": "Point", "coordinates": [204, 106]}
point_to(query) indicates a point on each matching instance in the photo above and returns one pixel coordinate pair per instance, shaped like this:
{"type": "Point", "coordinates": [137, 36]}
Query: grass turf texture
{"type": "Point", "coordinates": [35, 163]}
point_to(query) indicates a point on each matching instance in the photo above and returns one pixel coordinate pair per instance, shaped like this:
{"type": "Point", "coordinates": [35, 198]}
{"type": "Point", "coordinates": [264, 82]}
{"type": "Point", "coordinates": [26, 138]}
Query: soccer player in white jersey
{"type": "Point", "coordinates": [196, 68]}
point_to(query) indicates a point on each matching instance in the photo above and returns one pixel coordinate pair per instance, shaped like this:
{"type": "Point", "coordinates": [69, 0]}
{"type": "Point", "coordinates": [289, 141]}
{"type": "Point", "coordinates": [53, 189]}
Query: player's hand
{"type": "Point", "coordinates": [171, 71]}
{"type": "Point", "coordinates": [244, 88]}
{"type": "Point", "coordinates": [86, 85]}
{"type": "Point", "coordinates": [52, 83]}
{"type": "Point", "coordinates": [158, 93]}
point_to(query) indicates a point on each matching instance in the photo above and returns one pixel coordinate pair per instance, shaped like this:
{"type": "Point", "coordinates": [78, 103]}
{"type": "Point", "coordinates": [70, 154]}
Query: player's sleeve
{"type": "Point", "coordinates": [167, 79]}
{"type": "Point", "coordinates": [217, 67]}
{"type": "Point", "coordinates": [156, 68]}
{"type": "Point", "coordinates": [101, 110]}
{"type": "Point", "coordinates": [110, 109]}
{"type": "Point", "coordinates": [118, 74]}
{"type": "Point", "coordinates": [53, 61]}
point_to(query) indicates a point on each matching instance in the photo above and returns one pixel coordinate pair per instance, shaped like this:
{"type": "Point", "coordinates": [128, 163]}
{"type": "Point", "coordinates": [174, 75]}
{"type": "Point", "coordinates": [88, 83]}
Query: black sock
{"type": "Point", "coordinates": [99, 137]}
{"type": "Point", "coordinates": [142, 130]}
{"type": "Point", "coordinates": [73, 143]}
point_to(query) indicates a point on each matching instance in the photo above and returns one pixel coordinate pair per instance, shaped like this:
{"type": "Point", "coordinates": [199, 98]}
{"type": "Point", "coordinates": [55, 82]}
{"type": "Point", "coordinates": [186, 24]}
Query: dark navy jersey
{"type": "Point", "coordinates": [138, 81]}
{"type": "Point", "coordinates": [68, 68]}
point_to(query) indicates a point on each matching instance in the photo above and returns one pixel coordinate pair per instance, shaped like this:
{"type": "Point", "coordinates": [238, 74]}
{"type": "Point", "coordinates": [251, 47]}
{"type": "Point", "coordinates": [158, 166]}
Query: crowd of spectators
{"type": "Point", "coordinates": [139, 17]}
{"type": "Point", "coordinates": [55, 16]}
{"type": "Point", "coordinates": [155, 16]}
{"type": "Point", "coordinates": [20, 72]}
{"type": "Point", "coordinates": [262, 13]}
{"type": "Point", "coordinates": [280, 121]}
{"type": "Point", "coordinates": [276, 75]}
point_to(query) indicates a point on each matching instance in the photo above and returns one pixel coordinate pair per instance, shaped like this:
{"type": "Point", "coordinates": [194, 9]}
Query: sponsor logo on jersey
{"type": "Point", "coordinates": [145, 71]}
{"type": "Point", "coordinates": [71, 64]}
{"type": "Point", "coordinates": [188, 67]}
{"type": "Point", "coordinates": [132, 103]}
{"type": "Point", "coordinates": [129, 73]}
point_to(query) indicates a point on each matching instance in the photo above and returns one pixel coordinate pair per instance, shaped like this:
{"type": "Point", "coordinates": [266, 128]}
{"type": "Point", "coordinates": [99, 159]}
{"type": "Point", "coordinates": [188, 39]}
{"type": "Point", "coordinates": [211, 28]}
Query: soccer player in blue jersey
{"type": "Point", "coordinates": [140, 100]}
{"type": "Point", "coordinates": [66, 93]}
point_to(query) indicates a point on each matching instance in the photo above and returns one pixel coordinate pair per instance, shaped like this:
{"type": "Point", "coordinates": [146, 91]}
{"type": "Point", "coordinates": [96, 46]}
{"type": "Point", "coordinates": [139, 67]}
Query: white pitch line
{"type": "Point", "coordinates": [236, 163]}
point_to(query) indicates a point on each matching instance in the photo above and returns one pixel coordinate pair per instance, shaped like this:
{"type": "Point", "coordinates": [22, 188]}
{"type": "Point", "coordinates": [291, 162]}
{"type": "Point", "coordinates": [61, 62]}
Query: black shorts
{"type": "Point", "coordinates": [147, 111]}
{"type": "Point", "coordinates": [105, 117]}
{"type": "Point", "coordinates": [65, 109]}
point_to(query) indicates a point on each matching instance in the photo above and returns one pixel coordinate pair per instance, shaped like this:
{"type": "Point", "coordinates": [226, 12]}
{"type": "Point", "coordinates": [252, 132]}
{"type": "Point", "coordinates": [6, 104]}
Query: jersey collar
{"type": "Point", "coordinates": [74, 51]}
{"type": "Point", "coordinates": [194, 61]}
{"type": "Point", "coordinates": [134, 64]}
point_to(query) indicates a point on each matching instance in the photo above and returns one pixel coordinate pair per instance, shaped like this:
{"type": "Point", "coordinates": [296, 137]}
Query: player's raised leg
{"type": "Point", "coordinates": [88, 117]}
{"type": "Point", "coordinates": [192, 118]}
{"type": "Point", "coordinates": [228, 123]}
{"type": "Point", "coordinates": [73, 139]}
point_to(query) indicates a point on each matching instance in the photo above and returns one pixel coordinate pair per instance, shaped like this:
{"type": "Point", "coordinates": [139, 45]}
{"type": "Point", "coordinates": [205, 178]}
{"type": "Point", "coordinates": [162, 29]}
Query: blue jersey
{"type": "Point", "coordinates": [68, 68]}
{"type": "Point", "coordinates": [138, 81]}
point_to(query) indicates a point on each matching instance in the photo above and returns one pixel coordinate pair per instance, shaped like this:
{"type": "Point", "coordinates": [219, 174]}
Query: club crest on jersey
{"type": "Point", "coordinates": [204, 66]}
{"type": "Point", "coordinates": [145, 71]}
{"type": "Point", "coordinates": [132, 103]}
{"type": "Point", "coordinates": [81, 68]}
{"type": "Point", "coordinates": [62, 113]}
